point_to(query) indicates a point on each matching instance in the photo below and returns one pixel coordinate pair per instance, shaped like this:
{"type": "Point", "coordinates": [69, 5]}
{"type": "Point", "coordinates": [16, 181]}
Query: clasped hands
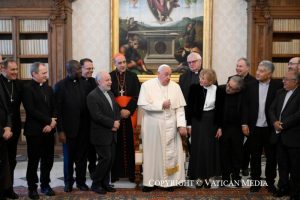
{"type": "Point", "coordinates": [48, 128]}
{"type": "Point", "coordinates": [278, 126]}
{"type": "Point", "coordinates": [166, 104]}
{"type": "Point", "coordinates": [7, 133]}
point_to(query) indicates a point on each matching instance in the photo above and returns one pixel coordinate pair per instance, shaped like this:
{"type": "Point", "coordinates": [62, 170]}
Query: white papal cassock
{"type": "Point", "coordinates": [163, 157]}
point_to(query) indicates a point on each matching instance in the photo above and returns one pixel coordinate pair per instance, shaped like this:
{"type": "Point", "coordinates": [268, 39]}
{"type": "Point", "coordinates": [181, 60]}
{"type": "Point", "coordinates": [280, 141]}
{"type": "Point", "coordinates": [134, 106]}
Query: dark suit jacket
{"type": "Point", "coordinates": [39, 104]}
{"type": "Point", "coordinates": [103, 117]}
{"type": "Point", "coordinates": [71, 106]}
{"type": "Point", "coordinates": [5, 114]}
{"type": "Point", "coordinates": [17, 99]}
{"type": "Point", "coordinates": [196, 102]}
{"type": "Point", "coordinates": [290, 117]}
{"type": "Point", "coordinates": [223, 107]}
{"type": "Point", "coordinates": [251, 102]}
{"type": "Point", "coordinates": [187, 79]}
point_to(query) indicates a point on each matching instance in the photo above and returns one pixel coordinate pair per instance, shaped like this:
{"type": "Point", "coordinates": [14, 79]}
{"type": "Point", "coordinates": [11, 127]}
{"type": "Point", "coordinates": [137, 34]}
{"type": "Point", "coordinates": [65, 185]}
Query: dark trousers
{"type": "Point", "coordinates": [39, 149]}
{"type": "Point", "coordinates": [106, 156]}
{"type": "Point", "coordinates": [288, 167]}
{"type": "Point", "coordinates": [231, 145]}
{"type": "Point", "coordinates": [12, 144]}
{"type": "Point", "coordinates": [5, 180]}
{"type": "Point", "coordinates": [260, 140]}
{"type": "Point", "coordinates": [75, 152]}
{"type": "Point", "coordinates": [92, 158]}
{"type": "Point", "coordinates": [246, 155]}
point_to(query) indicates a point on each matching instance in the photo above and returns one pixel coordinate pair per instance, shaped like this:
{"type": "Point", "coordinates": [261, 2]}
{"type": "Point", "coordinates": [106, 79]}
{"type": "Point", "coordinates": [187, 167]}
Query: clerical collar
{"type": "Point", "coordinates": [5, 78]}
{"type": "Point", "coordinates": [74, 80]}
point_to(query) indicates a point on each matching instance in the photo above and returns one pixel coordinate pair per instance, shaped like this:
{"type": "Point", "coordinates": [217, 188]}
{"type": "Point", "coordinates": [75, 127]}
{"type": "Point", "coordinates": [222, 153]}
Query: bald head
{"type": "Point", "coordinates": [294, 64]}
{"type": "Point", "coordinates": [120, 62]}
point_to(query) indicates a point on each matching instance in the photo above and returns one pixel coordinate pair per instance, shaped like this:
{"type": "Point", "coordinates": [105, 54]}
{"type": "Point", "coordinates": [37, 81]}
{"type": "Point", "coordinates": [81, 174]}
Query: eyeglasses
{"type": "Point", "coordinates": [288, 79]}
{"type": "Point", "coordinates": [122, 62]}
{"type": "Point", "coordinates": [192, 61]}
{"type": "Point", "coordinates": [291, 63]}
{"type": "Point", "coordinates": [90, 69]}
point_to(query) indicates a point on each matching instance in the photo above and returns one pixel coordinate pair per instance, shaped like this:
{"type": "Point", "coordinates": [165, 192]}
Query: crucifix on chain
{"type": "Point", "coordinates": [122, 92]}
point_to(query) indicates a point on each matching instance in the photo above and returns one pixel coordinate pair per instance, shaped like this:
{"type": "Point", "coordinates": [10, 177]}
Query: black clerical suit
{"type": "Point", "coordinates": [73, 120]}
{"type": "Point", "coordinates": [103, 115]}
{"type": "Point", "coordinates": [90, 84]}
{"type": "Point", "coordinates": [288, 140]}
{"type": "Point", "coordinates": [5, 121]}
{"type": "Point", "coordinates": [39, 104]}
{"type": "Point", "coordinates": [187, 79]}
{"type": "Point", "coordinates": [231, 142]}
{"type": "Point", "coordinates": [248, 79]}
{"type": "Point", "coordinates": [13, 93]}
{"type": "Point", "coordinates": [124, 165]}
{"type": "Point", "coordinates": [259, 137]}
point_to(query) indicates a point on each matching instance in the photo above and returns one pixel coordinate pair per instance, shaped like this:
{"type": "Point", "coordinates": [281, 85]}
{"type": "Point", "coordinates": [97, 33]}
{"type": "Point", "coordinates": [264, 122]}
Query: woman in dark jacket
{"type": "Point", "coordinates": [203, 115]}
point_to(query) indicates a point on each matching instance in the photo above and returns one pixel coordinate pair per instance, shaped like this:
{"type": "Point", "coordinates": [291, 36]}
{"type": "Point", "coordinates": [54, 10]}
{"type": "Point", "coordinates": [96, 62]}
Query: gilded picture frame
{"type": "Point", "coordinates": [207, 30]}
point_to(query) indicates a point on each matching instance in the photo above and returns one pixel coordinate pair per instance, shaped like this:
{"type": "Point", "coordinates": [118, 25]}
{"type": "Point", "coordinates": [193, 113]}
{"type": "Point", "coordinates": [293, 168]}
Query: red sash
{"type": "Point", "coordinates": [123, 101]}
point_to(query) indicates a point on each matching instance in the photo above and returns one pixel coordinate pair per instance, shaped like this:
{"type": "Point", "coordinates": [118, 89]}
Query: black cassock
{"type": "Point", "coordinates": [125, 84]}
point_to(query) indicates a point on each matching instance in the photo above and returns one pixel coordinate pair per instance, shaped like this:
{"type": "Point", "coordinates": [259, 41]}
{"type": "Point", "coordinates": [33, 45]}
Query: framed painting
{"type": "Point", "coordinates": [154, 32]}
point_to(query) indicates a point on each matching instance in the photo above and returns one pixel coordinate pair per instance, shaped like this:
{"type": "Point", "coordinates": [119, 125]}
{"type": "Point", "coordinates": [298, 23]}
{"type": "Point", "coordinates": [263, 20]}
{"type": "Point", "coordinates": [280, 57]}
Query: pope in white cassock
{"type": "Point", "coordinates": [163, 122]}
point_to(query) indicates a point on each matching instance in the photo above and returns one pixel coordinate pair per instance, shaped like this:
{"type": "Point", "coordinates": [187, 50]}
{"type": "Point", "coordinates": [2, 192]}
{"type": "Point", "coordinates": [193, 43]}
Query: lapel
{"type": "Point", "coordinates": [104, 99]}
{"type": "Point", "coordinates": [290, 99]}
{"type": "Point", "coordinates": [256, 94]}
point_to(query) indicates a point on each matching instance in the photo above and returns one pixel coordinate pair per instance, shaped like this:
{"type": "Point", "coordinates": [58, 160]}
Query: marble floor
{"type": "Point", "coordinates": [57, 175]}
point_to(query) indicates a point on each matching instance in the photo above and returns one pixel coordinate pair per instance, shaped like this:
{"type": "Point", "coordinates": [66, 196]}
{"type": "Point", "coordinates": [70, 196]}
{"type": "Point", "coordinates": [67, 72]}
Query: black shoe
{"type": "Point", "coordinates": [2, 196]}
{"type": "Point", "coordinates": [254, 188]}
{"type": "Point", "coordinates": [98, 190]}
{"type": "Point", "coordinates": [294, 197]}
{"type": "Point", "coordinates": [33, 194]}
{"type": "Point", "coordinates": [109, 189]}
{"type": "Point", "coordinates": [11, 194]}
{"type": "Point", "coordinates": [131, 179]}
{"type": "Point", "coordinates": [281, 192]}
{"type": "Point", "coordinates": [245, 172]}
{"type": "Point", "coordinates": [47, 191]}
{"type": "Point", "coordinates": [147, 189]}
{"type": "Point", "coordinates": [82, 187]}
{"type": "Point", "coordinates": [68, 188]}
{"type": "Point", "coordinates": [271, 189]}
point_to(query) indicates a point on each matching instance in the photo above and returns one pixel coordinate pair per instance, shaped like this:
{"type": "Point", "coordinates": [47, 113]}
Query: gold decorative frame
{"type": "Point", "coordinates": [207, 35]}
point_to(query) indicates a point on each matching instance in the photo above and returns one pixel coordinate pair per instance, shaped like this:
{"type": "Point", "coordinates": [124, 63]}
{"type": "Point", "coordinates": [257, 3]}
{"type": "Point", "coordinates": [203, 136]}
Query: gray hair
{"type": "Point", "coordinates": [162, 67]}
{"type": "Point", "coordinates": [194, 55]}
{"type": "Point", "coordinates": [35, 67]}
{"type": "Point", "coordinates": [239, 80]}
{"type": "Point", "coordinates": [268, 65]}
{"type": "Point", "coordinates": [245, 60]}
{"type": "Point", "coordinates": [6, 62]}
{"type": "Point", "coordinates": [99, 75]}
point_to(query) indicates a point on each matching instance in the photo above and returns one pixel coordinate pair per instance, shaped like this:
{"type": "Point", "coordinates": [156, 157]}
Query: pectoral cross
{"type": "Point", "coordinates": [122, 92]}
